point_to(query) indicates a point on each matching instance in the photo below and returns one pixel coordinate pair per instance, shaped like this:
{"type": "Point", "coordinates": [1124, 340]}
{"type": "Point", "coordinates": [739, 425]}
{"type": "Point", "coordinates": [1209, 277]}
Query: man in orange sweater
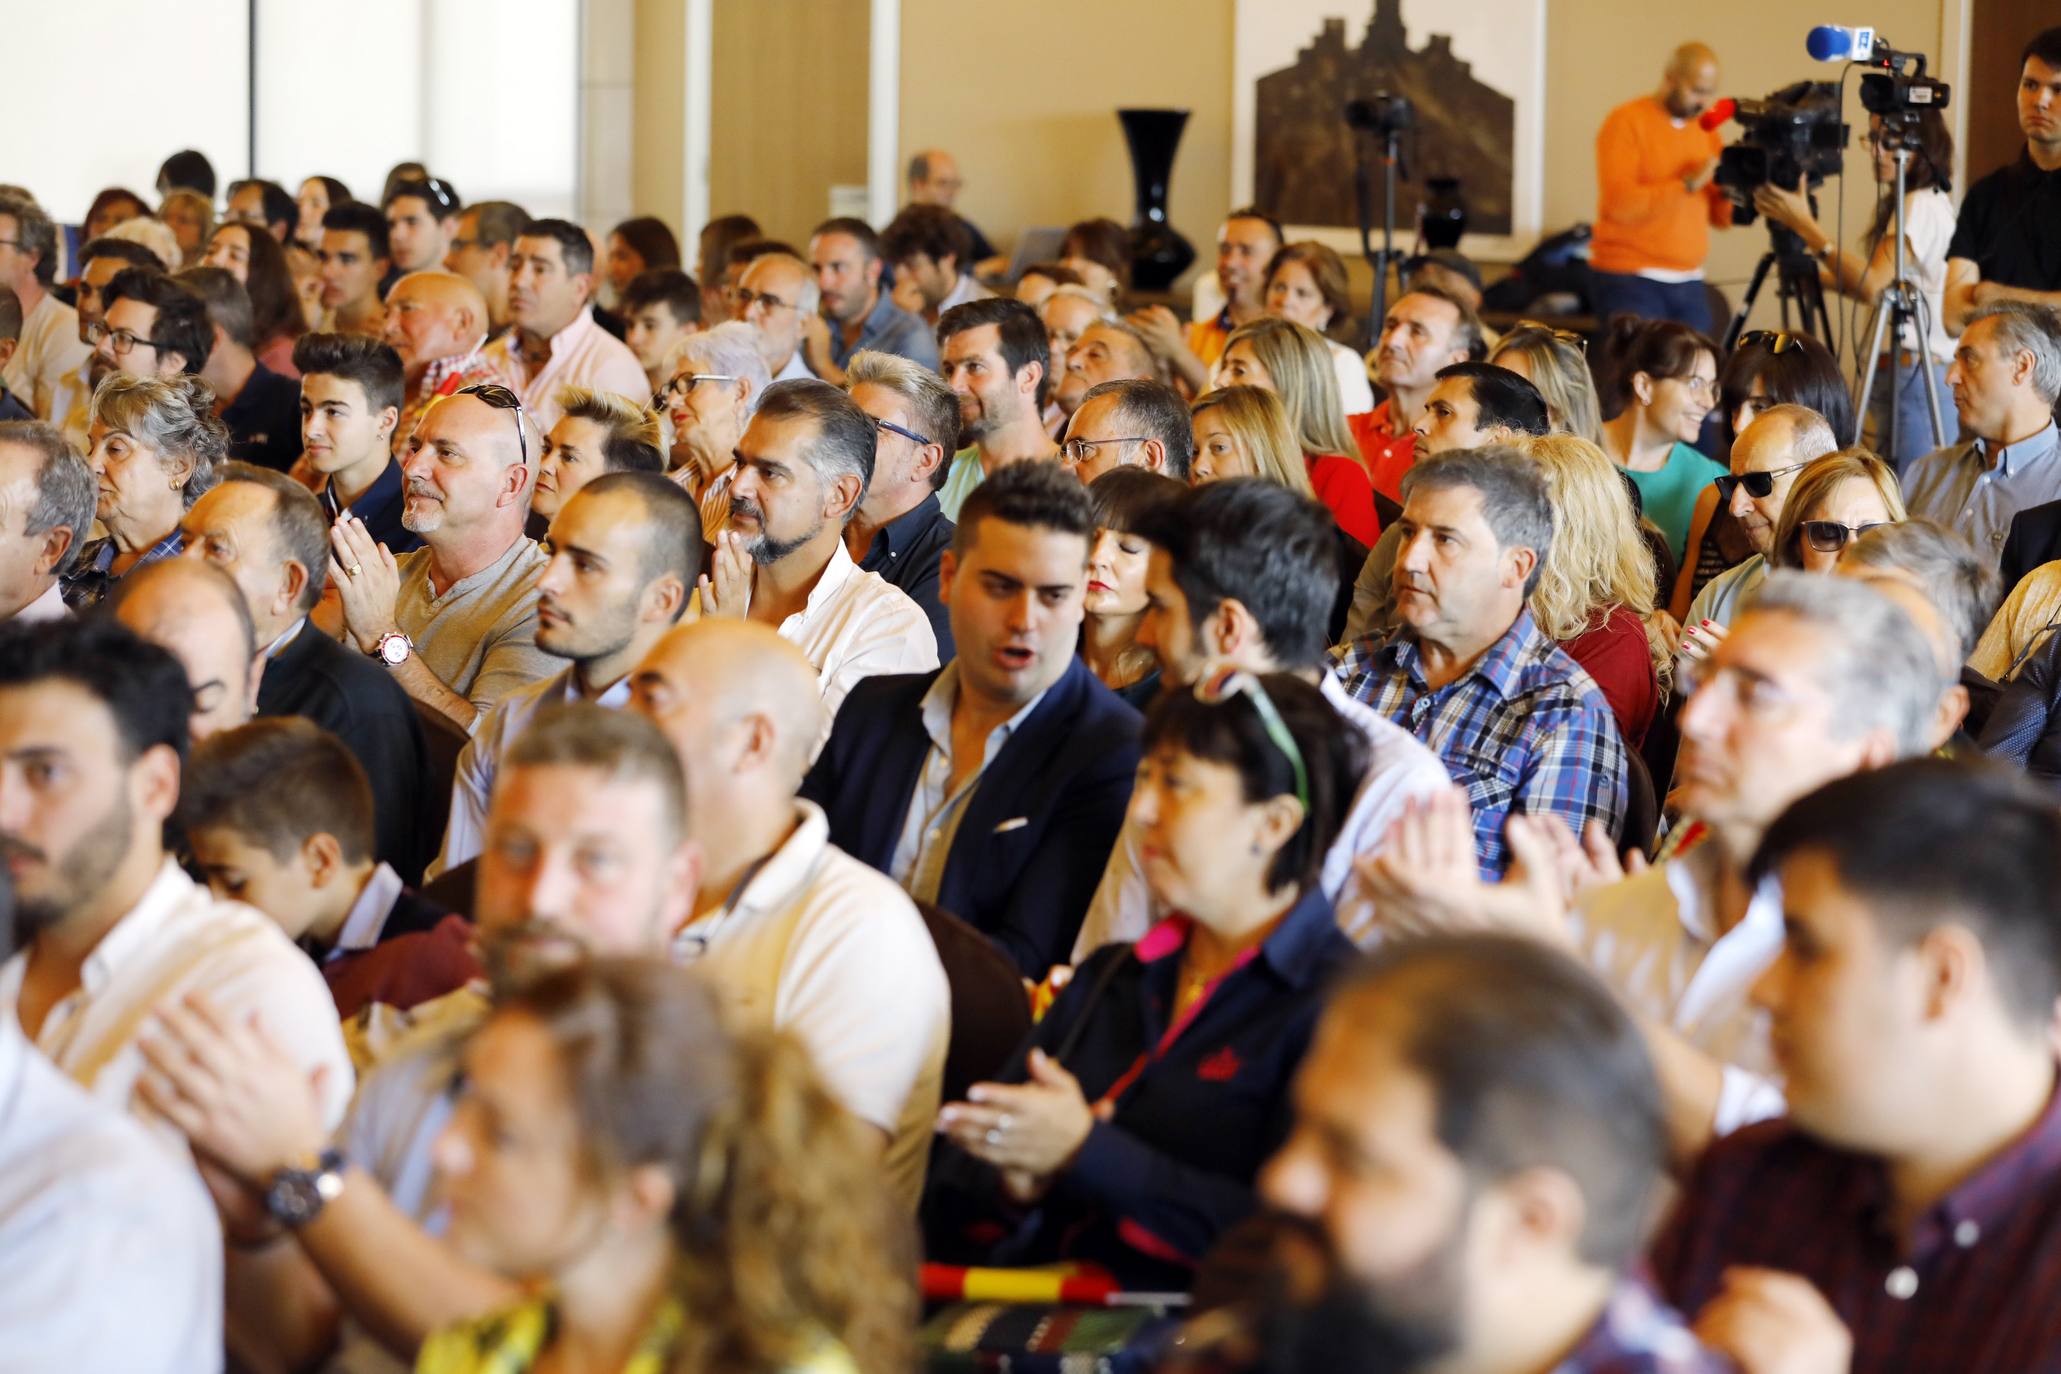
{"type": "Point", "coordinates": [1655, 202]}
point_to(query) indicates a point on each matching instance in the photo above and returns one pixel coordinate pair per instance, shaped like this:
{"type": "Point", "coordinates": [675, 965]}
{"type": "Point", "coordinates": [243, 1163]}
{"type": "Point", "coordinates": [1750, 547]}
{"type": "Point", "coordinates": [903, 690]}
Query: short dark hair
{"type": "Point", "coordinates": [277, 204]}
{"type": "Point", "coordinates": [1232, 731]}
{"type": "Point", "coordinates": [108, 196]}
{"type": "Point", "coordinates": [1125, 498]}
{"type": "Point", "coordinates": [1502, 397]}
{"type": "Point", "coordinates": [37, 232]}
{"type": "Point", "coordinates": [931, 230]}
{"type": "Point", "coordinates": [189, 168]}
{"type": "Point", "coordinates": [142, 686]}
{"type": "Point", "coordinates": [121, 250]}
{"type": "Point", "coordinates": [1532, 1063]}
{"type": "Point", "coordinates": [496, 222]}
{"type": "Point", "coordinates": [277, 782]}
{"type": "Point", "coordinates": [856, 229]}
{"type": "Point", "coordinates": [1258, 543]}
{"type": "Point", "coordinates": [666, 286]}
{"type": "Point", "coordinates": [673, 542]}
{"type": "Point", "coordinates": [651, 240]}
{"type": "Point", "coordinates": [300, 529]}
{"type": "Point", "coordinates": [1514, 500]}
{"type": "Point", "coordinates": [65, 487]}
{"type": "Point", "coordinates": [1990, 859]}
{"type": "Point", "coordinates": [1658, 348]}
{"type": "Point", "coordinates": [228, 304]}
{"type": "Point", "coordinates": [573, 244]}
{"type": "Point", "coordinates": [2045, 45]}
{"type": "Point", "coordinates": [1039, 494]}
{"type": "Point", "coordinates": [182, 324]}
{"type": "Point", "coordinates": [1468, 333]}
{"type": "Point", "coordinates": [439, 195]}
{"type": "Point", "coordinates": [1020, 334]}
{"type": "Point", "coordinates": [1103, 242]}
{"type": "Point", "coordinates": [1255, 213]}
{"type": "Point", "coordinates": [355, 217]}
{"type": "Point", "coordinates": [845, 434]}
{"type": "Point", "coordinates": [371, 363]}
{"type": "Point", "coordinates": [1156, 411]}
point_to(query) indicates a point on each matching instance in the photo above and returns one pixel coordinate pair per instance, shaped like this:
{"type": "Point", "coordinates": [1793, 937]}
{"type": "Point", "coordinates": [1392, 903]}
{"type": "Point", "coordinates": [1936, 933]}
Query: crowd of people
{"type": "Point", "coordinates": [561, 813]}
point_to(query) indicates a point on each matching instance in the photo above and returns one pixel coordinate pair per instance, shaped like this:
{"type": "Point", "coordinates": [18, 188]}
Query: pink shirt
{"type": "Point", "coordinates": [582, 354]}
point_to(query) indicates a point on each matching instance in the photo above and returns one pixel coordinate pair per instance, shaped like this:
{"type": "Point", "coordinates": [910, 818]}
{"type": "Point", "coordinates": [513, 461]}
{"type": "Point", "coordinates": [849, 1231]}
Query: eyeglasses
{"type": "Point", "coordinates": [1074, 452]}
{"type": "Point", "coordinates": [684, 383]}
{"type": "Point", "coordinates": [125, 342]}
{"type": "Point", "coordinates": [1829, 536]}
{"type": "Point", "coordinates": [747, 299]}
{"type": "Point", "coordinates": [501, 398]}
{"type": "Point", "coordinates": [1233, 683]}
{"type": "Point", "coordinates": [911, 435]}
{"type": "Point", "coordinates": [1777, 341]}
{"type": "Point", "coordinates": [12, 243]}
{"type": "Point", "coordinates": [1759, 485]}
{"type": "Point", "coordinates": [1566, 336]}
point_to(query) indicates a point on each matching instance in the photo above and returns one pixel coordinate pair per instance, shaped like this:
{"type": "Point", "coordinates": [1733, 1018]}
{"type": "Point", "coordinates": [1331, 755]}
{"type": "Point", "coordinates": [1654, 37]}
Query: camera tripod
{"type": "Point", "coordinates": [1796, 285]}
{"type": "Point", "coordinates": [1901, 305]}
{"type": "Point", "coordinates": [1383, 258]}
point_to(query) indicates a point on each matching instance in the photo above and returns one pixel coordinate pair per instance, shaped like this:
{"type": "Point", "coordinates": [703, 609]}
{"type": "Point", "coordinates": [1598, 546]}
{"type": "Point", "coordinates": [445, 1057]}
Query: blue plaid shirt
{"type": "Point", "coordinates": [1523, 730]}
{"type": "Point", "coordinates": [92, 575]}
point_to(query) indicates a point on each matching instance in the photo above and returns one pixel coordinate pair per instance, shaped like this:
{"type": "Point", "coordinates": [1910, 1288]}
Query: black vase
{"type": "Point", "coordinates": [1158, 252]}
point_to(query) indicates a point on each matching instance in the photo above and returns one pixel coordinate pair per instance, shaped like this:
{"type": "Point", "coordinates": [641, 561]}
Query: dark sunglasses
{"type": "Point", "coordinates": [1829, 536]}
{"type": "Point", "coordinates": [1777, 341]}
{"type": "Point", "coordinates": [1759, 485]}
{"type": "Point", "coordinates": [911, 435]}
{"type": "Point", "coordinates": [501, 398]}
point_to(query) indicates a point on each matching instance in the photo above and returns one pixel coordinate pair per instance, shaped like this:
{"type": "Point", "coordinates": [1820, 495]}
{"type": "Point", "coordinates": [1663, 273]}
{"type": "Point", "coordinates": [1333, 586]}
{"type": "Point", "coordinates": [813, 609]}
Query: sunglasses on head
{"type": "Point", "coordinates": [501, 398]}
{"type": "Point", "coordinates": [1830, 536]}
{"type": "Point", "coordinates": [1552, 331]}
{"type": "Point", "coordinates": [1214, 691]}
{"type": "Point", "coordinates": [1759, 485]}
{"type": "Point", "coordinates": [1776, 341]}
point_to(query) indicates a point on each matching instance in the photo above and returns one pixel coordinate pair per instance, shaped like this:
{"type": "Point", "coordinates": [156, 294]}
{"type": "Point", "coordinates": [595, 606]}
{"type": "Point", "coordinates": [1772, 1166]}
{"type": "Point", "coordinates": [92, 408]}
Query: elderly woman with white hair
{"type": "Point", "coordinates": [715, 378]}
{"type": "Point", "coordinates": [156, 446]}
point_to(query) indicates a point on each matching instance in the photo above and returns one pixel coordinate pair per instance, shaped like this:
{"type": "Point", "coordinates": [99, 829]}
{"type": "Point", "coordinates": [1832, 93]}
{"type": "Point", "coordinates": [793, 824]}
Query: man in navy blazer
{"type": "Point", "coordinates": [994, 788]}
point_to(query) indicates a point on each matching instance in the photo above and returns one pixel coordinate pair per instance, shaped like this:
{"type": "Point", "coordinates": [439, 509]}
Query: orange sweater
{"type": "Point", "coordinates": [1646, 217]}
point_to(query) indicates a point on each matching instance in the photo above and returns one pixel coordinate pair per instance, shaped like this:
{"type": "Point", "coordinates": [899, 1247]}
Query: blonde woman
{"type": "Point", "coordinates": [1557, 363]}
{"type": "Point", "coordinates": [1596, 589]}
{"type": "Point", "coordinates": [1293, 362]}
{"type": "Point", "coordinates": [1306, 284]}
{"type": "Point", "coordinates": [1243, 431]}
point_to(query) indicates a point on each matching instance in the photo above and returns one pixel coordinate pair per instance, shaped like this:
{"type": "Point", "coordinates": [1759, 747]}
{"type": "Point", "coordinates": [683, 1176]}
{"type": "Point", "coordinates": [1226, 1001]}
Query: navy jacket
{"type": "Point", "coordinates": [1195, 1113]}
{"type": "Point", "coordinates": [1065, 775]}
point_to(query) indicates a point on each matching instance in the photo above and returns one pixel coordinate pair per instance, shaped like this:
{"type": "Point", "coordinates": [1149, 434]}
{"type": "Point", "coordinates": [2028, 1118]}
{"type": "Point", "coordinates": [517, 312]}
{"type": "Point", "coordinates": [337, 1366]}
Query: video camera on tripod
{"type": "Point", "coordinates": [1794, 137]}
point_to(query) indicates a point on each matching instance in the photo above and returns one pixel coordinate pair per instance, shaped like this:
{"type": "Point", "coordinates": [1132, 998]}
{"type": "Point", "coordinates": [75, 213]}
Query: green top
{"type": "Point", "coordinates": [1669, 493]}
{"type": "Point", "coordinates": [964, 475]}
{"type": "Point", "coordinates": [509, 1342]}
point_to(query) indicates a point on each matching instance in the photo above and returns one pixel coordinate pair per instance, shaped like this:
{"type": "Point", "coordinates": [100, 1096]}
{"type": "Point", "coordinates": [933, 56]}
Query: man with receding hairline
{"type": "Point", "coordinates": [197, 613]}
{"type": "Point", "coordinates": [437, 322]}
{"type": "Point", "coordinates": [788, 927]}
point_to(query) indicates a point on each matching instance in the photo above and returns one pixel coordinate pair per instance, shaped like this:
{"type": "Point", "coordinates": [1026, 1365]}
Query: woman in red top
{"type": "Point", "coordinates": [1595, 593]}
{"type": "Point", "coordinates": [1293, 362]}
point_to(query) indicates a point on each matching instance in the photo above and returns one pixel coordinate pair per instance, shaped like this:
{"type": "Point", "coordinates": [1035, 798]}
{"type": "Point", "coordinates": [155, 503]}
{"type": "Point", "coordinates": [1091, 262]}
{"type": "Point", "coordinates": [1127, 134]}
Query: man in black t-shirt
{"type": "Point", "coordinates": [2007, 246]}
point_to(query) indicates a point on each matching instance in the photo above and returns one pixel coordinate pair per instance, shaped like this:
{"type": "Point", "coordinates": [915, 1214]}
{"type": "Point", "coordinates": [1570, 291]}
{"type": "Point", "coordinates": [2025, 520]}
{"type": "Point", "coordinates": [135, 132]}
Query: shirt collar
{"type": "Point", "coordinates": [905, 529]}
{"type": "Point", "coordinates": [943, 694]}
{"type": "Point", "coordinates": [1501, 666]}
{"type": "Point", "coordinates": [485, 575]}
{"type": "Point", "coordinates": [134, 931]}
{"type": "Point", "coordinates": [367, 919]}
{"type": "Point", "coordinates": [167, 547]}
{"type": "Point", "coordinates": [1693, 880]}
{"type": "Point", "coordinates": [286, 637]}
{"type": "Point", "coordinates": [839, 570]}
{"type": "Point", "coordinates": [788, 869]}
{"type": "Point", "coordinates": [1293, 951]}
{"type": "Point", "coordinates": [385, 488]}
{"type": "Point", "coordinates": [617, 695]}
{"type": "Point", "coordinates": [574, 331]}
{"type": "Point", "coordinates": [49, 606]}
{"type": "Point", "coordinates": [444, 376]}
{"type": "Point", "coordinates": [2013, 460]}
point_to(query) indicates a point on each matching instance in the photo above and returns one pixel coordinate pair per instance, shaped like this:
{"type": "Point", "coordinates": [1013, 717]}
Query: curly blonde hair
{"type": "Point", "coordinates": [1259, 427]}
{"type": "Point", "coordinates": [1597, 561]}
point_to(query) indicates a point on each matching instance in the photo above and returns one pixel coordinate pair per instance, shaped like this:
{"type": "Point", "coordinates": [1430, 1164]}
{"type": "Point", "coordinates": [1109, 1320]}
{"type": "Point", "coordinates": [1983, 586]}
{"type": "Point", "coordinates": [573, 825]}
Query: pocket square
{"type": "Point", "coordinates": [1015, 823]}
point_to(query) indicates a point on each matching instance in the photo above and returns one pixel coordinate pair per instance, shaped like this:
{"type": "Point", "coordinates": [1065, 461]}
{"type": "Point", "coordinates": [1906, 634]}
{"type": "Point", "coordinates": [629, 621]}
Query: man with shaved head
{"type": "Point", "coordinates": [196, 612]}
{"type": "Point", "coordinates": [790, 928]}
{"type": "Point", "coordinates": [1656, 201]}
{"type": "Point", "coordinates": [438, 323]}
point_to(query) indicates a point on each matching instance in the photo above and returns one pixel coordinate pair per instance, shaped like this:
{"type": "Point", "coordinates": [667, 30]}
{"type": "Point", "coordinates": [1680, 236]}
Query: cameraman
{"type": "Point", "coordinates": [1865, 272]}
{"type": "Point", "coordinates": [1655, 203]}
{"type": "Point", "coordinates": [2007, 248]}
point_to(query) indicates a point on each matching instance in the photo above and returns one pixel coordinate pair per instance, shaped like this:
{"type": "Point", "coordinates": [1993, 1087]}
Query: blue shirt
{"type": "Point", "coordinates": [1524, 729]}
{"type": "Point", "coordinates": [889, 329]}
{"type": "Point", "coordinates": [380, 509]}
{"type": "Point", "coordinates": [1976, 488]}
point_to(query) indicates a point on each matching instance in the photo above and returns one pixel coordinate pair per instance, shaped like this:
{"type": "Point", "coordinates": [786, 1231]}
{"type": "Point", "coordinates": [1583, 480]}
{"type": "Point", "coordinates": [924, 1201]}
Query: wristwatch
{"type": "Point", "coordinates": [296, 1196]}
{"type": "Point", "coordinates": [393, 648]}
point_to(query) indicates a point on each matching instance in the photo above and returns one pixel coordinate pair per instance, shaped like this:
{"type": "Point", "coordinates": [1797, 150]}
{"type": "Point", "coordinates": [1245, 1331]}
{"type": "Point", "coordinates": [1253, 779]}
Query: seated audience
{"type": "Point", "coordinates": [1115, 604]}
{"type": "Point", "coordinates": [1426, 328]}
{"type": "Point", "coordinates": [313, 199]}
{"type": "Point", "coordinates": [857, 313]}
{"type": "Point", "coordinates": [100, 262]}
{"type": "Point", "coordinates": [150, 326]}
{"type": "Point", "coordinates": [1247, 241]}
{"type": "Point", "coordinates": [437, 323]}
{"type": "Point", "coordinates": [269, 535]}
{"type": "Point", "coordinates": [276, 318]}
{"type": "Point", "coordinates": [1662, 382]}
{"type": "Point", "coordinates": [119, 931]}
{"type": "Point", "coordinates": [1104, 350]}
{"type": "Point", "coordinates": [487, 231]}
{"type": "Point", "coordinates": [1556, 362]}
{"type": "Point", "coordinates": [636, 246]}
{"type": "Point", "coordinates": [778, 296]}
{"type": "Point", "coordinates": [1066, 315]}
{"type": "Point", "coordinates": [421, 222]}
{"type": "Point", "coordinates": [49, 337]}
{"type": "Point", "coordinates": [930, 255]}
{"type": "Point", "coordinates": [717, 376]}
{"type": "Point", "coordinates": [352, 389]}
{"type": "Point", "coordinates": [1521, 1128]}
{"type": "Point", "coordinates": [715, 257]}
{"type": "Point", "coordinates": [46, 509]}
{"type": "Point", "coordinates": [1516, 721]}
{"type": "Point", "coordinates": [556, 340]}
{"type": "Point", "coordinates": [598, 432]}
{"type": "Point", "coordinates": [713, 1214]}
{"type": "Point", "coordinates": [2006, 379]}
{"type": "Point", "coordinates": [621, 558]}
{"type": "Point", "coordinates": [1135, 424]}
{"type": "Point", "coordinates": [190, 214]}
{"type": "Point", "coordinates": [12, 407]}
{"type": "Point", "coordinates": [660, 307]}
{"type": "Point", "coordinates": [355, 264]}
{"type": "Point", "coordinates": [1305, 285]}
{"type": "Point", "coordinates": [455, 621]}
{"type": "Point", "coordinates": [277, 814]}
{"type": "Point", "coordinates": [803, 465]}
{"type": "Point", "coordinates": [1085, 1147]}
{"type": "Point", "coordinates": [994, 787]}
{"type": "Point", "coordinates": [995, 360]}
{"type": "Point", "coordinates": [1772, 448]}
{"type": "Point", "coordinates": [260, 407]}
{"type": "Point", "coordinates": [113, 1253]}
{"type": "Point", "coordinates": [197, 614]}
{"type": "Point", "coordinates": [1911, 1008]}
{"type": "Point", "coordinates": [156, 447]}
{"type": "Point", "coordinates": [1238, 576]}
{"type": "Point", "coordinates": [1290, 361]}
{"type": "Point", "coordinates": [791, 929]}
{"type": "Point", "coordinates": [256, 203]}
{"type": "Point", "coordinates": [901, 531]}
{"type": "Point", "coordinates": [1951, 592]}
{"type": "Point", "coordinates": [113, 205]}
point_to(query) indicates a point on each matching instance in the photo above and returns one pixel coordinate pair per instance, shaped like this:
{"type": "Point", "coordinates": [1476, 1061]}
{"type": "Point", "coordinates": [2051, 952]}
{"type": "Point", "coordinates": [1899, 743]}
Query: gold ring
{"type": "Point", "coordinates": [353, 570]}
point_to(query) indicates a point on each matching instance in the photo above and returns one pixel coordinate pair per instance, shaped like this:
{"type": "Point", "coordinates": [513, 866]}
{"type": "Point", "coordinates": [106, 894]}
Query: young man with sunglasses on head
{"type": "Point", "coordinates": [421, 222]}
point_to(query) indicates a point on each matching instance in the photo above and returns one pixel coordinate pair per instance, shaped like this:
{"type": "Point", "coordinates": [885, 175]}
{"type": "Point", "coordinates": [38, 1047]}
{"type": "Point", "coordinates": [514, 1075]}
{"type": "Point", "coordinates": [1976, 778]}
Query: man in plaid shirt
{"type": "Point", "coordinates": [1515, 720]}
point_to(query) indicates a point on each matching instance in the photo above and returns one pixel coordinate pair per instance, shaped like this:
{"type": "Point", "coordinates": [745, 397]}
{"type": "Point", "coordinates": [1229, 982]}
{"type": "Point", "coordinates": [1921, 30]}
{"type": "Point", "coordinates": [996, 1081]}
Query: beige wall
{"type": "Point", "coordinates": [658, 73]}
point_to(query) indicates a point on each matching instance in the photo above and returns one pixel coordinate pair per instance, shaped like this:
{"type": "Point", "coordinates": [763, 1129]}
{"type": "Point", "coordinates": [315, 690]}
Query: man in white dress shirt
{"type": "Point", "coordinates": [803, 465]}
{"type": "Point", "coordinates": [46, 509]}
{"type": "Point", "coordinates": [50, 345]}
{"type": "Point", "coordinates": [555, 339]}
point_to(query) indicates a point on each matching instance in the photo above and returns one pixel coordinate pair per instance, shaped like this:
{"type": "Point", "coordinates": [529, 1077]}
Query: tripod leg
{"type": "Point", "coordinates": [1925, 369]}
{"type": "Point", "coordinates": [1738, 324]}
{"type": "Point", "coordinates": [1868, 359]}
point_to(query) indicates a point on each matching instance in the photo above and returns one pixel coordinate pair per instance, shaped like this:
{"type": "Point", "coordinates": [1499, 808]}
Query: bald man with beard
{"type": "Point", "coordinates": [790, 928]}
{"type": "Point", "coordinates": [438, 323]}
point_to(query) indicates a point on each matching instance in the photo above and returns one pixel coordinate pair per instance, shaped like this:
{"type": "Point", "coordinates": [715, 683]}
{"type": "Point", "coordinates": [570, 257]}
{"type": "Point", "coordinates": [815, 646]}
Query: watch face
{"type": "Point", "coordinates": [394, 649]}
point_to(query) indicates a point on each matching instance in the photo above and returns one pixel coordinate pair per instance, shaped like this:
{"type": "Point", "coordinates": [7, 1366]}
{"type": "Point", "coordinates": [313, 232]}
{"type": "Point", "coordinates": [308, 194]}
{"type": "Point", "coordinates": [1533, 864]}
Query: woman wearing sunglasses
{"type": "Point", "coordinates": [1662, 382]}
{"type": "Point", "coordinates": [1128, 1131]}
